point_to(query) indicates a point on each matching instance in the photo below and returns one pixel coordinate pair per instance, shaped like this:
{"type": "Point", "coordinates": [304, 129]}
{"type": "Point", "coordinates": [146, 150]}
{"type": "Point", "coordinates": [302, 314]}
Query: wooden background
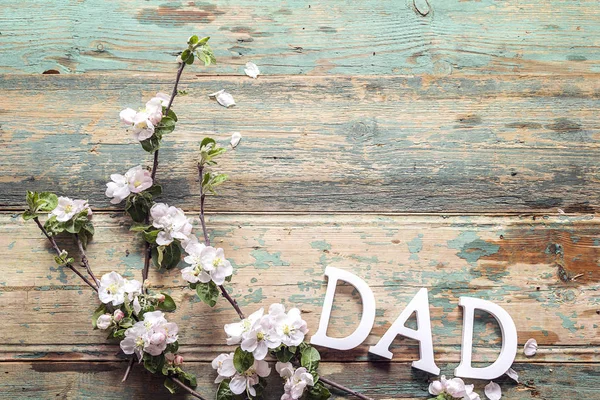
{"type": "Point", "coordinates": [444, 144]}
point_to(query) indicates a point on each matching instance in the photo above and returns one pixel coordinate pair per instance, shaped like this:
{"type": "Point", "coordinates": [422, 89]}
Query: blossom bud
{"type": "Point", "coordinates": [158, 339]}
{"type": "Point", "coordinates": [118, 315]}
{"type": "Point", "coordinates": [160, 297]}
{"type": "Point", "coordinates": [178, 360]}
{"type": "Point", "coordinates": [104, 321]}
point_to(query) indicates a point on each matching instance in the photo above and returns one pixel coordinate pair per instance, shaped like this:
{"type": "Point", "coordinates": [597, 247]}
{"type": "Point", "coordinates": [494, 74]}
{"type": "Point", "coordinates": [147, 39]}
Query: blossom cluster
{"type": "Point", "coordinates": [455, 388]}
{"type": "Point", "coordinates": [136, 180]}
{"type": "Point", "coordinates": [296, 380]}
{"type": "Point", "coordinates": [152, 335]}
{"type": "Point", "coordinates": [277, 332]}
{"type": "Point", "coordinates": [143, 123]}
{"type": "Point", "coordinates": [68, 208]}
{"type": "Point", "coordinates": [172, 222]}
{"type": "Point", "coordinates": [261, 332]}
{"type": "Point", "coordinates": [206, 264]}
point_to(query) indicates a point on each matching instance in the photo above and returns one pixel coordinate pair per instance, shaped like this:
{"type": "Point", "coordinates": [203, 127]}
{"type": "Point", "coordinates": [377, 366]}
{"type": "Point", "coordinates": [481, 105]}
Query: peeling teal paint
{"type": "Point", "coordinates": [415, 246]}
{"type": "Point", "coordinates": [320, 245]}
{"type": "Point", "coordinates": [472, 247]}
{"type": "Point", "coordinates": [11, 245]}
{"type": "Point", "coordinates": [567, 322]}
{"type": "Point", "coordinates": [265, 260]}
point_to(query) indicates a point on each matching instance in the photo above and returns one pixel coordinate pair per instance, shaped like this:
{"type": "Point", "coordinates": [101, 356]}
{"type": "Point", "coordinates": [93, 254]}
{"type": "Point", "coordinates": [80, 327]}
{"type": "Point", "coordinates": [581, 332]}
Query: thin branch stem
{"type": "Point", "coordinates": [232, 301]}
{"type": "Point", "coordinates": [128, 370]}
{"type": "Point", "coordinates": [84, 259]}
{"type": "Point", "coordinates": [148, 255]}
{"type": "Point", "coordinates": [58, 252]}
{"type": "Point", "coordinates": [344, 388]}
{"type": "Point", "coordinates": [187, 388]}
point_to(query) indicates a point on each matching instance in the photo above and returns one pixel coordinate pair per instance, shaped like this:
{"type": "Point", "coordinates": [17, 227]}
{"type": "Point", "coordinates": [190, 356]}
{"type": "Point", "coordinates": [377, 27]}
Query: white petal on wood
{"type": "Point", "coordinates": [223, 98]}
{"type": "Point", "coordinates": [252, 70]}
{"type": "Point", "coordinates": [493, 391]}
{"type": "Point", "coordinates": [235, 139]}
{"type": "Point", "coordinates": [530, 348]}
{"type": "Point", "coordinates": [512, 374]}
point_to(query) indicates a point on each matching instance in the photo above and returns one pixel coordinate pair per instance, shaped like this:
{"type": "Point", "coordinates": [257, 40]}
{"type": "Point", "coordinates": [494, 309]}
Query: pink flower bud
{"type": "Point", "coordinates": [158, 339]}
{"type": "Point", "coordinates": [118, 315]}
{"type": "Point", "coordinates": [178, 360]}
{"type": "Point", "coordinates": [160, 298]}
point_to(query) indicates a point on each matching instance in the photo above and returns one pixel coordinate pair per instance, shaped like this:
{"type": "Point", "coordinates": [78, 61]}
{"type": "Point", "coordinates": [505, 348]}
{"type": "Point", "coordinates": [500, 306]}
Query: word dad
{"type": "Point", "coordinates": [420, 305]}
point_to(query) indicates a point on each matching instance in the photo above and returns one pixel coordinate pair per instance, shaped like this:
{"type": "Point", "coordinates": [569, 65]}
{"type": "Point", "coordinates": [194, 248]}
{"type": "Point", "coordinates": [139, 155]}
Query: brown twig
{"type": "Point", "coordinates": [128, 370]}
{"type": "Point", "coordinates": [187, 388]}
{"type": "Point", "coordinates": [57, 250]}
{"type": "Point", "coordinates": [344, 388]}
{"type": "Point", "coordinates": [84, 259]}
{"type": "Point", "coordinates": [153, 173]}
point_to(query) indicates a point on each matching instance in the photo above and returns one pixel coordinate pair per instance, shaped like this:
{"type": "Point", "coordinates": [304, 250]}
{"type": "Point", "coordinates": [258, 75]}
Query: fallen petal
{"type": "Point", "coordinates": [530, 348]}
{"type": "Point", "coordinates": [512, 374]}
{"type": "Point", "coordinates": [493, 391]}
{"type": "Point", "coordinates": [223, 98]}
{"type": "Point", "coordinates": [252, 70]}
{"type": "Point", "coordinates": [235, 139]}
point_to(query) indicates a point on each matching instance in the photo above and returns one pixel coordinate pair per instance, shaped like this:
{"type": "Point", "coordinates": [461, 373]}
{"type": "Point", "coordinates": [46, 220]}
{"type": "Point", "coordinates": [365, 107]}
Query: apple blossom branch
{"type": "Point", "coordinates": [148, 255]}
{"type": "Point", "coordinates": [59, 253]}
{"type": "Point", "coordinates": [233, 302]}
{"type": "Point", "coordinates": [84, 259]}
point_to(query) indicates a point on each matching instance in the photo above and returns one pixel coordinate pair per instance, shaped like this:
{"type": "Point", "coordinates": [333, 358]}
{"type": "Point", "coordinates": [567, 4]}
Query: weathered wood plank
{"type": "Point", "coordinates": [471, 144]}
{"type": "Point", "coordinates": [76, 380]}
{"type": "Point", "coordinates": [522, 263]}
{"type": "Point", "coordinates": [305, 37]}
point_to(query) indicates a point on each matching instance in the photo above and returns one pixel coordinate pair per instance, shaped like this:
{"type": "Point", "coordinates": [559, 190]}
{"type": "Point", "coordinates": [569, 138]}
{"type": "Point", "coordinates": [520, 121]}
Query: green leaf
{"type": "Point", "coordinates": [242, 360]}
{"type": "Point", "coordinates": [285, 353]}
{"type": "Point", "coordinates": [154, 190]}
{"type": "Point", "coordinates": [310, 358]}
{"type": "Point", "coordinates": [151, 144]}
{"type": "Point", "coordinates": [224, 392]}
{"type": "Point", "coordinates": [28, 214]}
{"type": "Point", "coordinates": [208, 292]}
{"type": "Point", "coordinates": [153, 363]}
{"type": "Point", "coordinates": [166, 125]}
{"type": "Point", "coordinates": [172, 347]}
{"type": "Point", "coordinates": [138, 206]}
{"type": "Point", "coordinates": [137, 227]}
{"type": "Point", "coordinates": [47, 202]}
{"type": "Point", "coordinates": [168, 304]}
{"type": "Point", "coordinates": [97, 313]}
{"type": "Point", "coordinates": [188, 379]}
{"type": "Point", "coordinates": [318, 392]}
{"type": "Point", "coordinates": [150, 236]}
{"type": "Point", "coordinates": [193, 40]}
{"type": "Point", "coordinates": [210, 181]}
{"type": "Point", "coordinates": [167, 257]}
{"type": "Point", "coordinates": [171, 386]}
{"type": "Point", "coordinates": [205, 53]}
{"type": "Point", "coordinates": [171, 114]}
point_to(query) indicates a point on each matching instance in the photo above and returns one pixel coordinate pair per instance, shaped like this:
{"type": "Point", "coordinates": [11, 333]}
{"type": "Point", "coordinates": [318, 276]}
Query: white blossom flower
{"type": "Point", "coordinates": [235, 139]}
{"type": "Point", "coordinates": [214, 262]}
{"type": "Point", "coordinates": [114, 288]}
{"type": "Point", "coordinates": [292, 328]}
{"type": "Point", "coordinates": [136, 180]}
{"type": "Point", "coordinates": [144, 122]}
{"type": "Point", "coordinates": [172, 222]}
{"type": "Point", "coordinates": [493, 391]}
{"type": "Point", "coordinates": [530, 348]}
{"type": "Point", "coordinates": [68, 208]}
{"type": "Point", "coordinates": [223, 98]}
{"type": "Point", "coordinates": [194, 273]}
{"type": "Point", "coordinates": [245, 382]}
{"type": "Point", "coordinates": [224, 366]}
{"type": "Point", "coordinates": [104, 321]}
{"type": "Point", "coordinates": [454, 387]}
{"type": "Point", "coordinates": [152, 335]}
{"type": "Point", "coordinates": [252, 70]}
{"type": "Point", "coordinates": [236, 330]}
{"type": "Point", "coordinates": [295, 380]}
{"type": "Point", "coordinates": [260, 338]}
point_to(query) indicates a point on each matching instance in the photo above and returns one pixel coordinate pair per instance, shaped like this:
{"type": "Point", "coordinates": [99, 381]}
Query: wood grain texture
{"type": "Point", "coordinates": [305, 37]}
{"type": "Point", "coordinates": [76, 380]}
{"type": "Point", "coordinates": [541, 270]}
{"type": "Point", "coordinates": [384, 144]}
